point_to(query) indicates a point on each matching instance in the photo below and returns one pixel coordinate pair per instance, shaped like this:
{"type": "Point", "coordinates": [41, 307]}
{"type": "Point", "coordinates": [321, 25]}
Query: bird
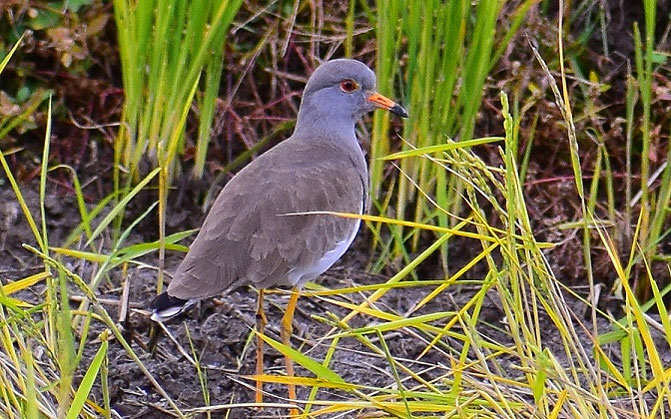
{"type": "Point", "coordinates": [260, 229]}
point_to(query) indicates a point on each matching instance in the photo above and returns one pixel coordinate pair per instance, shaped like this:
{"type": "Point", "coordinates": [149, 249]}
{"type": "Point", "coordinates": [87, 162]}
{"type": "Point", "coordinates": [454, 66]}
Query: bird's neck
{"type": "Point", "coordinates": [322, 123]}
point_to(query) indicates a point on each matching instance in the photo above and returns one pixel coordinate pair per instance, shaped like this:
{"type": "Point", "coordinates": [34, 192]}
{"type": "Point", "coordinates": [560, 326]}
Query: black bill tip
{"type": "Point", "coordinates": [398, 110]}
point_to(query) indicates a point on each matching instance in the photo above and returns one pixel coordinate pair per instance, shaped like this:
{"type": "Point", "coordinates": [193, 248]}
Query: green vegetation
{"type": "Point", "coordinates": [166, 48]}
{"type": "Point", "coordinates": [525, 178]}
{"type": "Point", "coordinates": [451, 47]}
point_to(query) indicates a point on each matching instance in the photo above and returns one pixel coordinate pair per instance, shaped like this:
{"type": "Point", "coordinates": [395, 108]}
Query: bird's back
{"type": "Point", "coordinates": [247, 238]}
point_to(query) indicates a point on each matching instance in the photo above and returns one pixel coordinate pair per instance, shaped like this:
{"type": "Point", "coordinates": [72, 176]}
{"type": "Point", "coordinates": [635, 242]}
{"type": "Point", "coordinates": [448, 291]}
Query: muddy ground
{"type": "Point", "coordinates": [221, 328]}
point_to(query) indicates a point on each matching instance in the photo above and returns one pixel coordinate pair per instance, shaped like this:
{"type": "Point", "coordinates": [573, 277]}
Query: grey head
{"type": "Point", "coordinates": [338, 93]}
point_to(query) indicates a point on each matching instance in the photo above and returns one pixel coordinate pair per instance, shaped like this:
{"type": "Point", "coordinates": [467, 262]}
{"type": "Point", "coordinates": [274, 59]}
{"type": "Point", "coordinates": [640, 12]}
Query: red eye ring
{"type": "Point", "coordinates": [348, 86]}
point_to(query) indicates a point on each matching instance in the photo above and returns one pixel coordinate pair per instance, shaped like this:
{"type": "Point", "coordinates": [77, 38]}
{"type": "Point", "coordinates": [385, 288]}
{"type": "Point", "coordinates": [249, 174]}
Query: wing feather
{"type": "Point", "coordinates": [246, 238]}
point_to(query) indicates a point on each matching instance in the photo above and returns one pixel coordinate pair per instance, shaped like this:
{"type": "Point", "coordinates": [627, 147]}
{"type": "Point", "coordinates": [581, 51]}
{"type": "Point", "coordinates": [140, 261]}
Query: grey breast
{"type": "Point", "coordinates": [245, 237]}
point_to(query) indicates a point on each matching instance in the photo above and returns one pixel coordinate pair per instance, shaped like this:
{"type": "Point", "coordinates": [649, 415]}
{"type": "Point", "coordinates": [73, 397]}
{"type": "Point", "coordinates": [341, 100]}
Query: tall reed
{"type": "Point", "coordinates": [168, 49]}
{"type": "Point", "coordinates": [450, 48]}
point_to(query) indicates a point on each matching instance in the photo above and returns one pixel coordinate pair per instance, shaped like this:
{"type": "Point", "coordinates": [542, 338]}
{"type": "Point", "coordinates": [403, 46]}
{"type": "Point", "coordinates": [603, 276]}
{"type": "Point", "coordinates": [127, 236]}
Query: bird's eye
{"type": "Point", "coordinates": [348, 86]}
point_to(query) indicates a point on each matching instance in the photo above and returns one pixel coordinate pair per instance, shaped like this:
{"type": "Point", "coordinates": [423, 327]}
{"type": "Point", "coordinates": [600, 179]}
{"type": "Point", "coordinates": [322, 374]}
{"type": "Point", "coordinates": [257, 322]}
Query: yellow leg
{"type": "Point", "coordinates": [260, 326]}
{"type": "Point", "coordinates": [287, 330]}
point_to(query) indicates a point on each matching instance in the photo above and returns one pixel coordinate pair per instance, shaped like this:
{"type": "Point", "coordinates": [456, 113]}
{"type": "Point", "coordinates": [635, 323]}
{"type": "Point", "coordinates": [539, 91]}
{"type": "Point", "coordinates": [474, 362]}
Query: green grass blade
{"type": "Point", "coordinates": [79, 196]}
{"type": "Point", "coordinates": [43, 178]}
{"type": "Point", "coordinates": [439, 148]}
{"type": "Point", "coordinates": [31, 407]}
{"type": "Point", "coordinates": [89, 378]}
{"type": "Point", "coordinates": [11, 52]}
{"type": "Point", "coordinates": [22, 202]}
{"type": "Point", "coordinates": [118, 209]}
{"type": "Point", "coordinates": [306, 362]}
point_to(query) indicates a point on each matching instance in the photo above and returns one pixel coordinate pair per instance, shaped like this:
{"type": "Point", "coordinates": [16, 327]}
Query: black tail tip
{"type": "Point", "coordinates": [164, 301]}
{"type": "Point", "coordinates": [165, 307]}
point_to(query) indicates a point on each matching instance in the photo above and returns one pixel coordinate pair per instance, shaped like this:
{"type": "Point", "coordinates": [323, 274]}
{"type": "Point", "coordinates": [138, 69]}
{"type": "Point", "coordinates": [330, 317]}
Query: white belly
{"type": "Point", "coordinates": [299, 276]}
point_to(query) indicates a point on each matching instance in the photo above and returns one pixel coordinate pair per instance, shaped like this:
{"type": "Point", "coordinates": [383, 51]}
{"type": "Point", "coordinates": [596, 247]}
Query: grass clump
{"type": "Point", "coordinates": [470, 366]}
{"type": "Point", "coordinates": [167, 51]}
{"type": "Point", "coordinates": [451, 49]}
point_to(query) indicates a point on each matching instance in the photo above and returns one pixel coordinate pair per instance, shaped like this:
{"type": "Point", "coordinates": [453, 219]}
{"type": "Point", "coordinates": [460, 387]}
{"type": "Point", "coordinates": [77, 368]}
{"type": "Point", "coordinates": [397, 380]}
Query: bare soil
{"type": "Point", "coordinates": [221, 328]}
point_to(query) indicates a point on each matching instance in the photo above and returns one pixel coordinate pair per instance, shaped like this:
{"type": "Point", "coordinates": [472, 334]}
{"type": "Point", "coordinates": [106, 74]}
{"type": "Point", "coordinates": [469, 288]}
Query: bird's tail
{"type": "Point", "coordinates": [165, 307]}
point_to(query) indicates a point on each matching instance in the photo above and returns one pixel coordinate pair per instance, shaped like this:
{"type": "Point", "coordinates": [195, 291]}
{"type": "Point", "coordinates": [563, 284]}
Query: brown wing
{"type": "Point", "coordinates": [246, 239]}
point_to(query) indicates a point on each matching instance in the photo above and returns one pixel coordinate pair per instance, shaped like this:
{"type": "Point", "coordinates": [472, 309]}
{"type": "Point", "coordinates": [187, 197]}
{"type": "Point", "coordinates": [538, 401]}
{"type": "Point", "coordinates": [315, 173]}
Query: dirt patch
{"type": "Point", "coordinates": [221, 329]}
